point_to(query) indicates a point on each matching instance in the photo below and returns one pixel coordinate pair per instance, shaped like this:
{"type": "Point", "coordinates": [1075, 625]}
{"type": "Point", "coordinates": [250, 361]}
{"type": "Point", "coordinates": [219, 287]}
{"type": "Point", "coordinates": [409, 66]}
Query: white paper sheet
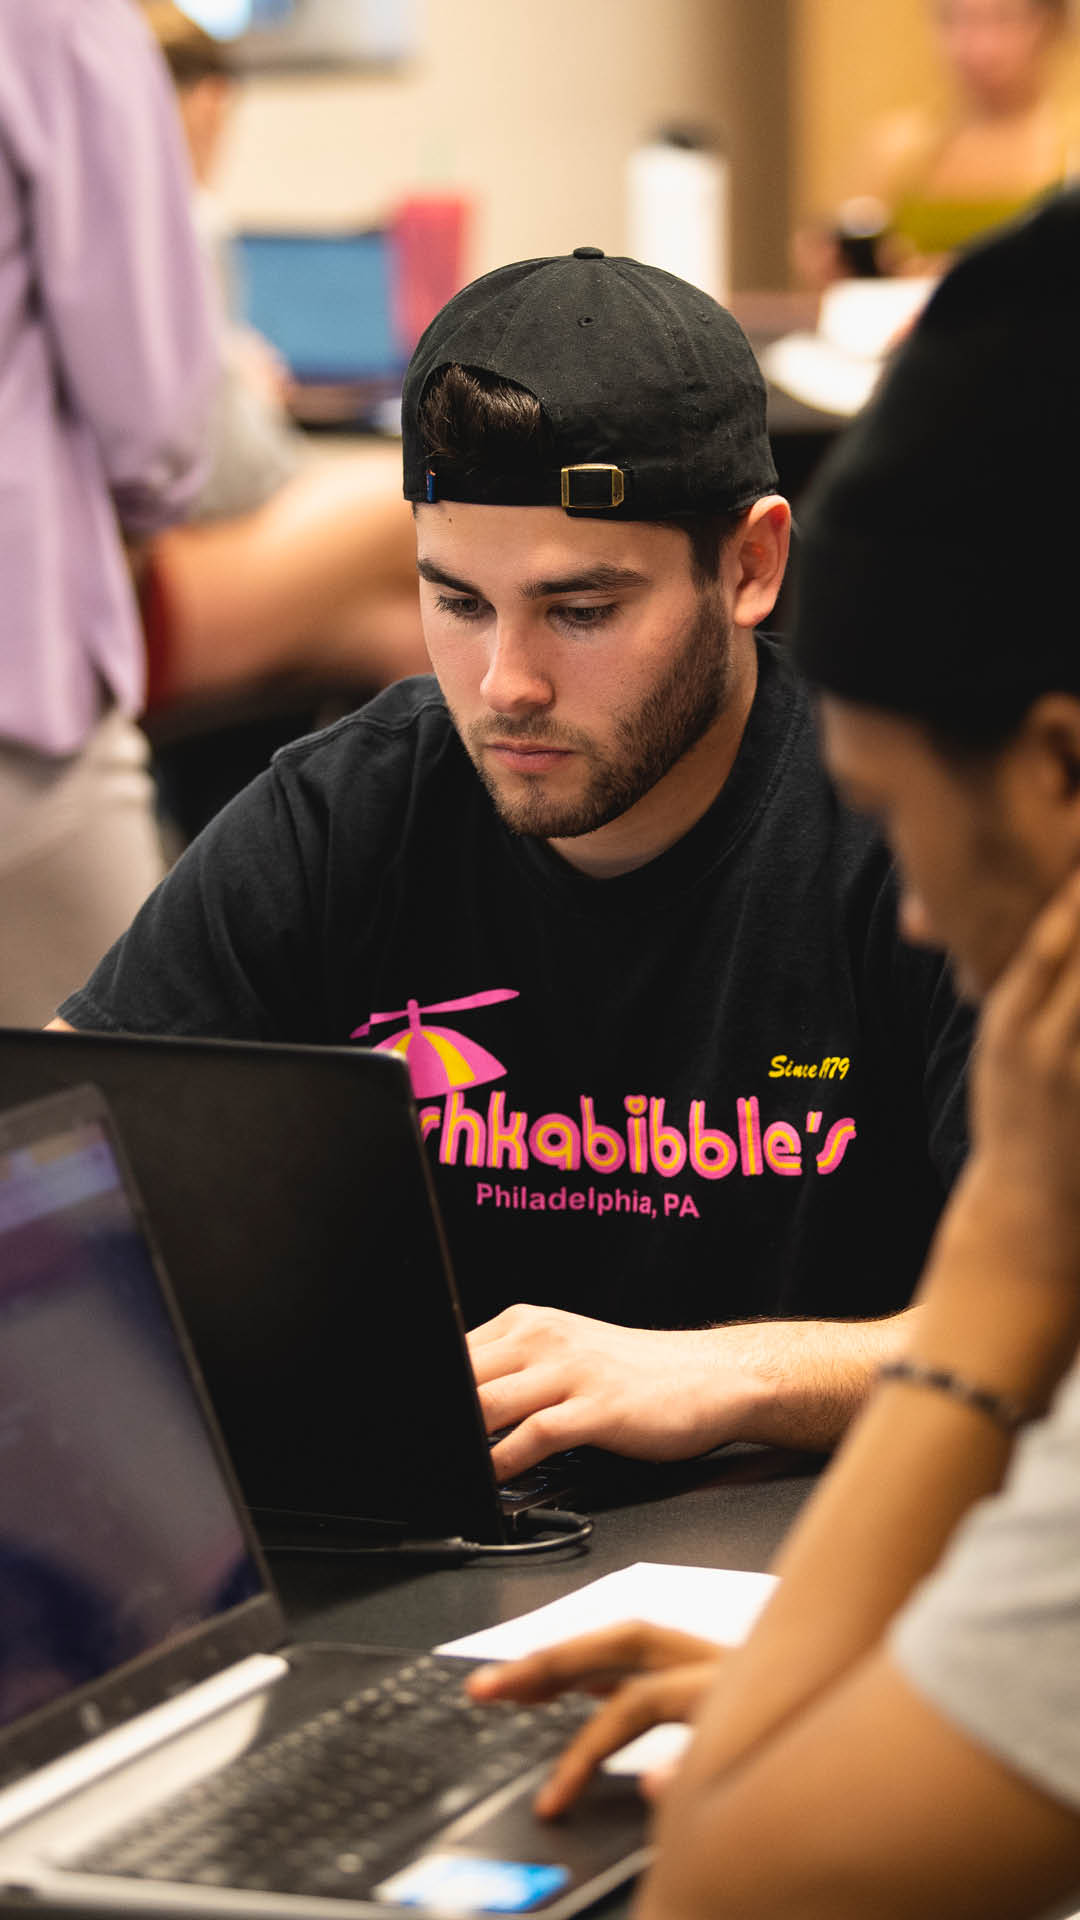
{"type": "Point", "coordinates": [819, 374]}
{"type": "Point", "coordinates": [866, 318]}
{"type": "Point", "coordinates": [713, 1602]}
{"type": "Point", "coordinates": [836, 368]}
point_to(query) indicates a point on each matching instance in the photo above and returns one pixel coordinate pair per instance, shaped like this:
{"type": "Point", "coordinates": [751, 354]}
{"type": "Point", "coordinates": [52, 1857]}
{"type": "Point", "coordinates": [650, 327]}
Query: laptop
{"type": "Point", "coordinates": [159, 1747]}
{"type": "Point", "coordinates": [326, 302]}
{"type": "Point", "coordinates": [293, 1204]}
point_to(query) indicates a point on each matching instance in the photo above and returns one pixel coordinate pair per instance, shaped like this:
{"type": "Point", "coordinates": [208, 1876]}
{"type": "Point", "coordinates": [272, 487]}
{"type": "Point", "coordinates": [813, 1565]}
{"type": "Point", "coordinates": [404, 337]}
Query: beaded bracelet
{"type": "Point", "coordinates": [1005, 1412]}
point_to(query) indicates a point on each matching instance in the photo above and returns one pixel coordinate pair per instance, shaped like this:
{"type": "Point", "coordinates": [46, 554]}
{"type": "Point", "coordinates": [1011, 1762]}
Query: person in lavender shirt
{"type": "Point", "coordinates": [107, 361]}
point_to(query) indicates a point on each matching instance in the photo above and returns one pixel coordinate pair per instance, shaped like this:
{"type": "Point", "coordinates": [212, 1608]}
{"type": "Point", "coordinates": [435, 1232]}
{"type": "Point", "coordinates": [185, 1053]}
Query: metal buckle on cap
{"type": "Point", "coordinates": [592, 492]}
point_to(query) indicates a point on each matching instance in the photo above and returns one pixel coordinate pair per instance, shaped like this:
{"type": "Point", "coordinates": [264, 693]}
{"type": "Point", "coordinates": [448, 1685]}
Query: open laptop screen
{"type": "Point", "coordinates": [324, 300]}
{"type": "Point", "coordinates": [118, 1532]}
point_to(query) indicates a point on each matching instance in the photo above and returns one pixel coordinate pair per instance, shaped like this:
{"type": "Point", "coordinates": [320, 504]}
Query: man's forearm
{"type": "Point", "coordinates": [807, 1379]}
{"type": "Point", "coordinates": [555, 1379]}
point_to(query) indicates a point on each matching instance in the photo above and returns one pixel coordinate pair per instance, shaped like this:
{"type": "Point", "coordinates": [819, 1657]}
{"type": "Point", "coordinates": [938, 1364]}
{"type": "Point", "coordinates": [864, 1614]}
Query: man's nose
{"type": "Point", "coordinates": [516, 679]}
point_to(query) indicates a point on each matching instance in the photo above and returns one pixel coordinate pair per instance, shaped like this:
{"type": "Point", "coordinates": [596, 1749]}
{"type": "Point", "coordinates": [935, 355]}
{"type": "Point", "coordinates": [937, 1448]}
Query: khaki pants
{"type": "Point", "coordinates": [79, 852]}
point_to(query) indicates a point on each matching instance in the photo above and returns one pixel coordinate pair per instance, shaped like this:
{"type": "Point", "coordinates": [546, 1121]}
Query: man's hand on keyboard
{"type": "Point", "coordinates": [561, 1380]}
{"type": "Point", "coordinates": [645, 1674]}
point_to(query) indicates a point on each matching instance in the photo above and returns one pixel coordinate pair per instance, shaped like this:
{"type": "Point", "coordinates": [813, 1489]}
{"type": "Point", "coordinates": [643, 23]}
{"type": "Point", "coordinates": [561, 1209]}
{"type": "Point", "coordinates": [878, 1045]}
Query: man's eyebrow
{"type": "Point", "coordinates": [440, 578]}
{"type": "Point", "coordinates": [602, 578]}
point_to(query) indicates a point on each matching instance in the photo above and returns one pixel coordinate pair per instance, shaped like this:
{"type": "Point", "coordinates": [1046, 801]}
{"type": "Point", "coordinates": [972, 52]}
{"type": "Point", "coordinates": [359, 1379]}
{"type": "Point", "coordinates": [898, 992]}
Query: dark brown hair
{"type": "Point", "coordinates": [477, 421]}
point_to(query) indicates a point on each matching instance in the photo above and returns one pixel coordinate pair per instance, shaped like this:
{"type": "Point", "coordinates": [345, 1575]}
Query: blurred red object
{"type": "Point", "coordinates": [427, 250]}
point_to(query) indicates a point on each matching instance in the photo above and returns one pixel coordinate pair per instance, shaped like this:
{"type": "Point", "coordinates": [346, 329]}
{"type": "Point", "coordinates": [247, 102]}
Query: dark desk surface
{"type": "Point", "coordinates": [730, 1512]}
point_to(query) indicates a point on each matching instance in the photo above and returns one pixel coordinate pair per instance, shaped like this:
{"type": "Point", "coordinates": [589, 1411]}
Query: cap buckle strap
{"type": "Point", "coordinates": [594, 485]}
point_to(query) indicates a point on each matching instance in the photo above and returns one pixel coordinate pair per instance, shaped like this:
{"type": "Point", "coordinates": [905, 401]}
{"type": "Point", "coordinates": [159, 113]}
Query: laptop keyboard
{"type": "Point", "coordinates": [326, 1807]}
{"type": "Point", "coordinates": [555, 1478]}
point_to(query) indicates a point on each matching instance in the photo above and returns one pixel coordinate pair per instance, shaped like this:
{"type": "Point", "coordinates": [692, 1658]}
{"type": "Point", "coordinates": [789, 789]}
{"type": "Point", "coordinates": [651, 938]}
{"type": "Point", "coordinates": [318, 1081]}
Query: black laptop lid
{"type": "Point", "coordinates": [290, 1198]}
{"type": "Point", "coordinates": [127, 1568]}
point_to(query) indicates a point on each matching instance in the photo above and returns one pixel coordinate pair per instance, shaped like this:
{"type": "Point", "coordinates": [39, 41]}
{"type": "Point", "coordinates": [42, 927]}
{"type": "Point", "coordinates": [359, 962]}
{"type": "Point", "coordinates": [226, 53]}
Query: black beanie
{"type": "Point", "coordinates": [940, 552]}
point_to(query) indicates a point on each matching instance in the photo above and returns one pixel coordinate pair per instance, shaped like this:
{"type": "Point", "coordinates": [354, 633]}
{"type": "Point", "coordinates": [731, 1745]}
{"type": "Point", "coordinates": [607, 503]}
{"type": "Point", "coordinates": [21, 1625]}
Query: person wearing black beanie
{"type": "Point", "coordinates": [901, 1733]}
{"type": "Point", "coordinates": [939, 589]}
{"type": "Point", "coordinates": [935, 579]}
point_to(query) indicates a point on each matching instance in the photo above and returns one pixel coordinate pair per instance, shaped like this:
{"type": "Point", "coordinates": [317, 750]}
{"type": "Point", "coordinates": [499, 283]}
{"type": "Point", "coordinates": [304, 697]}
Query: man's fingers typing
{"type": "Point", "coordinates": [508, 1329]}
{"type": "Point", "coordinates": [494, 1356]}
{"type": "Point", "coordinates": [514, 1396]}
{"type": "Point", "coordinates": [548, 1431]}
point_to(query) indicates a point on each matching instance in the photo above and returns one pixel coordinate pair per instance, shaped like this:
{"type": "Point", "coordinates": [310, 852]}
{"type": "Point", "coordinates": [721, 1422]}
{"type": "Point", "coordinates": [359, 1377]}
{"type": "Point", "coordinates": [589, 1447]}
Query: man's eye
{"type": "Point", "coordinates": [459, 606]}
{"type": "Point", "coordinates": [589, 616]}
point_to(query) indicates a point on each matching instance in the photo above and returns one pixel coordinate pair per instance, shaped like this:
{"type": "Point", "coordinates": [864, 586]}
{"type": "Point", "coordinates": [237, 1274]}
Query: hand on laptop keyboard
{"type": "Point", "coordinates": [558, 1380]}
{"type": "Point", "coordinates": [649, 1675]}
{"type": "Point", "coordinates": [399, 1757]}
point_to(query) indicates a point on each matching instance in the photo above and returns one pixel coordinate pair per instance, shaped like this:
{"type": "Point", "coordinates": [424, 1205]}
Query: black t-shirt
{"type": "Point", "coordinates": [714, 1088]}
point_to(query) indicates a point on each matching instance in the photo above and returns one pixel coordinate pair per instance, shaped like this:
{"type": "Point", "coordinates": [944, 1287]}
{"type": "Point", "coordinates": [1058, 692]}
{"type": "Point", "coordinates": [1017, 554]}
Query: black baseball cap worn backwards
{"type": "Point", "coordinates": [650, 392]}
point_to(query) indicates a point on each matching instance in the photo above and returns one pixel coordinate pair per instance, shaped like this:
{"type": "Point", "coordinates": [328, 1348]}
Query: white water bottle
{"type": "Point", "coordinates": [679, 208]}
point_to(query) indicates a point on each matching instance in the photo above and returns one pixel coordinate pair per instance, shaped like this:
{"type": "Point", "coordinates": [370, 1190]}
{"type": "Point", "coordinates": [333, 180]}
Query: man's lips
{"type": "Point", "coordinates": [527, 756]}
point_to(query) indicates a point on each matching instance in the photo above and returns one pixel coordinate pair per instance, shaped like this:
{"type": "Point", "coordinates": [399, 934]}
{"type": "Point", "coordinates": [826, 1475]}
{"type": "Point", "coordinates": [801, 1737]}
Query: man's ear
{"type": "Point", "coordinates": [1051, 732]}
{"type": "Point", "coordinates": [757, 557]}
{"type": "Point", "coordinates": [1040, 768]}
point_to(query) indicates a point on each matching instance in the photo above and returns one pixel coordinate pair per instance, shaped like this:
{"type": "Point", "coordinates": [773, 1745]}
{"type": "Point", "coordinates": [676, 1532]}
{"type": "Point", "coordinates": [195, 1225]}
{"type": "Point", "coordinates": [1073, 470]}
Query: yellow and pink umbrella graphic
{"type": "Point", "coordinates": [439, 1058]}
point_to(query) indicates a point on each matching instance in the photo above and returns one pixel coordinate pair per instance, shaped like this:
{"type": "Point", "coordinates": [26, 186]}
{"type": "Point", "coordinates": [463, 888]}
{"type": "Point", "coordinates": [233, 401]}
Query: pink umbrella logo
{"type": "Point", "coordinates": [439, 1058]}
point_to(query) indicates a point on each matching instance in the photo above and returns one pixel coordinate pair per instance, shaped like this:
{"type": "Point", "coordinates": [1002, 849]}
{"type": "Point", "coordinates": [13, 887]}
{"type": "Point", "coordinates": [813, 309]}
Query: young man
{"type": "Point", "coordinates": [880, 1746]}
{"type": "Point", "coordinates": [673, 1065]}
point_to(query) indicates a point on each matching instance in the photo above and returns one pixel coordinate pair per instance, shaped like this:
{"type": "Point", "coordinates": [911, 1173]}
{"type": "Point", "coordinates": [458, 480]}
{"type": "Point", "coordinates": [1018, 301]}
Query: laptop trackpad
{"type": "Point", "coordinates": [508, 1861]}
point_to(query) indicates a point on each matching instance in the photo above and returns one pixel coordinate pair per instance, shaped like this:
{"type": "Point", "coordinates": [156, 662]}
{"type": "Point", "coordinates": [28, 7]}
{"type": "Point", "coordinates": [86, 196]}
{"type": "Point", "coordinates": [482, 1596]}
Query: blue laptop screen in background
{"type": "Point", "coordinates": [324, 301]}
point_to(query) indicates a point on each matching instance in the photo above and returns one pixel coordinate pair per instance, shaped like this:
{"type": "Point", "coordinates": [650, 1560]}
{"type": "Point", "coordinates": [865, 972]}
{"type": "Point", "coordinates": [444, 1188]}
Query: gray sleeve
{"type": "Point", "coordinates": [253, 450]}
{"type": "Point", "coordinates": [992, 1638]}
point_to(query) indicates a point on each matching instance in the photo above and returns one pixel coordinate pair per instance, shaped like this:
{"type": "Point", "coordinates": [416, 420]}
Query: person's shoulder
{"type": "Point", "coordinates": [28, 33]}
{"type": "Point", "coordinates": [402, 734]}
{"type": "Point", "coordinates": [845, 846]}
{"type": "Point", "coordinates": [65, 23]}
{"type": "Point", "coordinates": [60, 52]}
{"type": "Point", "coordinates": [843, 856]}
{"type": "Point", "coordinates": [793, 735]}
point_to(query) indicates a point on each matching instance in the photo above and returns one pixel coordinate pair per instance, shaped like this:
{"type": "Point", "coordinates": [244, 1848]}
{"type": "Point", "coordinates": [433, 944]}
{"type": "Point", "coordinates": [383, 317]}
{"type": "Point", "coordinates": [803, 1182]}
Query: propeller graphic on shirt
{"type": "Point", "coordinates": [439, 1058]}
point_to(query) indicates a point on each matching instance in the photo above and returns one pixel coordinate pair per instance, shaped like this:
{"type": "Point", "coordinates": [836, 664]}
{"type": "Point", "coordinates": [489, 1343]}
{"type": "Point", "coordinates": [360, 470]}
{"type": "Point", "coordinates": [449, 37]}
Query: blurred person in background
{"type": "Point", "coordinates": [106, 365]}
{"type": "Point", "coordinates": [287, 564]}
{"type": "Point", "coordinates": [933, 178]}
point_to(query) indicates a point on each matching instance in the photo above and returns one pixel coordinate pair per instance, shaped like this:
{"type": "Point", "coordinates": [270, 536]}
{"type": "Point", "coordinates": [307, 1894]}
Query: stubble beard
{"type": "Point", "coordinates": [677, 712]}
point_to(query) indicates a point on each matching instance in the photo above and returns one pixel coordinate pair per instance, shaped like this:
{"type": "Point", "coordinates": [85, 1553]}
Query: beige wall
{"type": "Point", "coordinates": [531, 107]}
{"type": "Point", "coordinates": [850, 62]}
